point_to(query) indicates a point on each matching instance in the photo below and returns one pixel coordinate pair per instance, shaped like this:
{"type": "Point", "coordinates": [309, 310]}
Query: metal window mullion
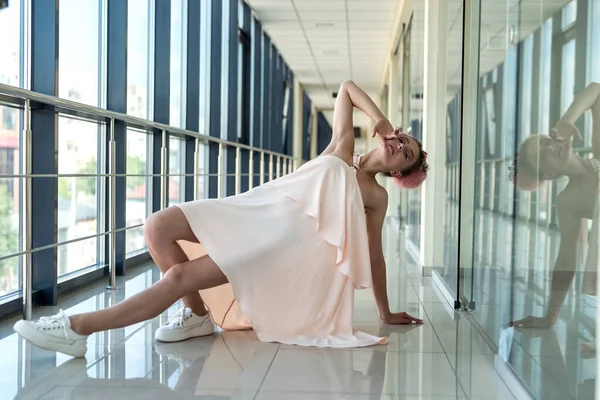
{"type": "Point", "coordinates": [469, 95]}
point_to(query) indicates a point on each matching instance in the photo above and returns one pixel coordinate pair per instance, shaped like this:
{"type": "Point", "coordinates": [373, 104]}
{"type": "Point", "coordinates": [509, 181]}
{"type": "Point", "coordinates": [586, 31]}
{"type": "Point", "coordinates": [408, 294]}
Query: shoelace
{"type": "Point", "coordinates": [54, 322]}
{"type": "Point", "coordinates": [179, 318]}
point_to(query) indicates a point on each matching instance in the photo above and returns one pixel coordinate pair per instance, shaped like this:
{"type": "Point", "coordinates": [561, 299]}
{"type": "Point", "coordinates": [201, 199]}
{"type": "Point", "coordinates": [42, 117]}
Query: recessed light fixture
{"type": "Point", "coordinates": [330, 52]}
{"type": "Point", "coordinates": [324, 24]}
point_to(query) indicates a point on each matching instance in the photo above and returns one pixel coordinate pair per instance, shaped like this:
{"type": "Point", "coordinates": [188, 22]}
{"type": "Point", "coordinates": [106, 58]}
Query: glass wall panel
{"type": "Point", "coordinates": [11, 46]}
{"type": "Point", "coordinates": [10, 272]}
{"type": "Point", "coordinates": [178, 62]}
{"type": "Point", "coordinates": [536, 197]}
{"type": "Point", "coordinates": [78, 51]}
{"type": "Point", "coordinates": [449, 270]}
{"type": "Point", "coordinates": [139, 67]}
{"type": "Point", "coordinates": [79, 197]}
{"type": "Point", "coordinates": [413, 118]}
{"type": "Point", "coordinates": [138, 189]}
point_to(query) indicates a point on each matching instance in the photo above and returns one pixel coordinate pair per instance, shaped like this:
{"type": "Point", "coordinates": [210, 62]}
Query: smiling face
{"type": "Point", "coordinates": [400, 153]}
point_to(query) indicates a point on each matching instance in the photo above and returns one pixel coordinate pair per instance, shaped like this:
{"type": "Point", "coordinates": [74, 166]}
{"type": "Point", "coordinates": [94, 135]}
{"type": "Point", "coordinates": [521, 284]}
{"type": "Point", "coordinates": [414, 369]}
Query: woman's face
{"type": "Point", "coordinates": [400, 153]}
{"type": "Point", "coordinates": [550, 155]}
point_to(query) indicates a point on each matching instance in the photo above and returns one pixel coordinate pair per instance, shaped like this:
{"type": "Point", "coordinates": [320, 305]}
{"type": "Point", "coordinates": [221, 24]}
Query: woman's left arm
{"type": "Point", "coordinates": [375, 219]}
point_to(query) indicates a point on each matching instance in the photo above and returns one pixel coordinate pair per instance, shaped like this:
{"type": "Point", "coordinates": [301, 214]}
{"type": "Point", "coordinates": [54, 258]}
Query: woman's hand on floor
{"type": "Point", "coordinates": [401, 319]}
{"type": "Point", "coordinates": [534, 322]}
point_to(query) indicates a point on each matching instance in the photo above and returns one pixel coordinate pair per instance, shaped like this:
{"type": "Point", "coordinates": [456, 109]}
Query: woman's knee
{"type": "Point", "coordinates": [176, 273]}
{"type": "Point", "coordinates": [168, 225]}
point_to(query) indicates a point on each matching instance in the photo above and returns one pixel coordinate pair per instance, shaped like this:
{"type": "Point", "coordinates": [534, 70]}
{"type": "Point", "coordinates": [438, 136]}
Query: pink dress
{"type": "Point", "coordinates": [294, 250]}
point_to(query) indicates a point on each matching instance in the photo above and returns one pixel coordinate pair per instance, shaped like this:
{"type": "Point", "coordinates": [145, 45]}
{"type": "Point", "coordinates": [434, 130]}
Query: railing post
{"type": "Point", "coordinates": [270, 167]}
{"type": "Point", "coordinates": [220, 171]}
{"type": "Point", "coordinates": [251, 170]}
{"type": "Point", "coordinates": [196, 166]}
{"type": "Point", "coordinates": [112, 216]}
{"type": "Point", "coordinates": [26, 231]}
{"type": "Point", "coordinates": [262, 167]}
{"type": "Point", "coordinates": [278, 166]}
{"type": "Point", "coordinates": [238, 178]}
{"type": "Point", "coordinates": [164, 177]}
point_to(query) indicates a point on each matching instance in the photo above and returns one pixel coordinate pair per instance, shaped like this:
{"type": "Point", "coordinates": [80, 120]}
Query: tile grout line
{"type": "Point", "coordinates": [464, 392]}
{"type": "Point", "coordinates": [266, 373]}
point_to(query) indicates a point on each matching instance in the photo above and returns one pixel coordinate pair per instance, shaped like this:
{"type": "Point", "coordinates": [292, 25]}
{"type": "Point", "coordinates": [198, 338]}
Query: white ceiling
{"type": "Point", "coordinates": [326, 42]}
{"type": "Point", "coordinates": [498, 19]}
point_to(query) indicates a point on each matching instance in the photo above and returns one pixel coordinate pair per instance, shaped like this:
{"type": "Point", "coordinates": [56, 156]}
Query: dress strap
{"type": "Point", "coordinates": [356, 161]}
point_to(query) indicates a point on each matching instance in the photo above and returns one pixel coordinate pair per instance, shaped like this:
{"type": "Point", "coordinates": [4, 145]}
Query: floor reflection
{"type": "Point", "coordinates": [231, 365]}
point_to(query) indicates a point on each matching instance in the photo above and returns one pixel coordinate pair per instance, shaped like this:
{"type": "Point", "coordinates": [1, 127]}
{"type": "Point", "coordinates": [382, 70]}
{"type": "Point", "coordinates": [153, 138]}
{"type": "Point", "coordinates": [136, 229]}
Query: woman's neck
{"type": "Point", "coordinates": [370, 165]}
{"type": "Point", "coordinates": [576, 167]}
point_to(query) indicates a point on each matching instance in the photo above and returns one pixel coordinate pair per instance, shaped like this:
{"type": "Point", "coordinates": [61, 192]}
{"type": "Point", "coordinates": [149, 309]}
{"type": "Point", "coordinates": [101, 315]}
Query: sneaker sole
{"type": "Point", "coordinates": [181, 337]}
{"type": "Point", "coordinates": [38, 339]}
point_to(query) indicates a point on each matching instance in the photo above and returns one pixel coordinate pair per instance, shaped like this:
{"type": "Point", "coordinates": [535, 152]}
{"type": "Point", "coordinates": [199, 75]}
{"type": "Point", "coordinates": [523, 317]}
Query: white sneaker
{"type": "Point", "coordinates": [184, 325]}
{"type": "Point", "coordinates": [53, 333]}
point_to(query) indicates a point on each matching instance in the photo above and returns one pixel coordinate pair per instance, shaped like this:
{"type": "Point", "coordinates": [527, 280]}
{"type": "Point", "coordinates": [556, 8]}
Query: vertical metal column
{"type": "Point", "coordinates": [196, 166]}
{"type": "Point", "coordinates": [262, 167]}
{"type": "Point", "coordinates": [469, 90]}
{"type": "Point", "coordinates": [270, 167]}
{"type": "Point", "coordinates": [164, 177]}
{"type": "Point", "coordinates": [112, 215]}
{"type": "Point", "coordinates": [251, 171]}
{"type": "Point", "coordinates": [26, 231]}
{"type": "Point", "coordinates": [278, 166]}
{"type": "Point", "coordinates": [220, 170]}
{"type": "Point", "coordinates": [238, 169]}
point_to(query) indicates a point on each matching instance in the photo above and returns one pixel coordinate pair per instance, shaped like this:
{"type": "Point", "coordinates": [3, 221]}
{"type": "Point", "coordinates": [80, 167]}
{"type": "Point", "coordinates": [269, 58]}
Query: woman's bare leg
{"type": "Point", "coordinates": [187, 277]}
{"type": "Point", "coordinates": [162, 230]}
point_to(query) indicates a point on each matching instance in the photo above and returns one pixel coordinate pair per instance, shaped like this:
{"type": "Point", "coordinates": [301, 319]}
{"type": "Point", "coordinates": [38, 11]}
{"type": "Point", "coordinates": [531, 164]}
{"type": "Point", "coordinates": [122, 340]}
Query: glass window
{"type": "Point", "coordinates": [78, 197]}
{"type": "Point", "coordinates": [526, 84]}
{"type": "Point", "coordinates": [9, 200]}
{"type": "Point", "coordinates": [567, 76]}
{"type": "Point", "coordinates": [10, 45]}
{"type": "Point", "coordinates": [137, 206]}
{"type": "Point", "coordinates": [204, 66]}
{"type": "Point", "coordinates": [594, 42]}
{"type": "Point", "coordinates": [78, 51]}
{"type": "Point", "coordinates": [178, 62]}
{"type": "Point", "coordinates": [544, 70]}
{"type": "Point", "coordinates": [569, 14]}
{"type": "Point", "coordinates": [176, 169]}
{"type": "Point", "coordinates": [138, 58]}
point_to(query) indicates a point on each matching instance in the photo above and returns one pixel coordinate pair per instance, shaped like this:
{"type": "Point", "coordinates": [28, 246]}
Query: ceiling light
{"type": "Point", "coordinates": [330, 52]}
{"type": "Point", "coordinates": [324, 24]}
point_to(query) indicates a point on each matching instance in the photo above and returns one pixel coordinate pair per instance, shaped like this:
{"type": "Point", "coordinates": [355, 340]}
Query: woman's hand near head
{"type": "Point", "coordinates": [564, 130]}
{"type": "Point", "coordinates": [384, 130]}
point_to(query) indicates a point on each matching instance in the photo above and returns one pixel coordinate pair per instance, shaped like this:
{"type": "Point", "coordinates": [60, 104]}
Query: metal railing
{"type": "Point", "coordinates": [27, 100]}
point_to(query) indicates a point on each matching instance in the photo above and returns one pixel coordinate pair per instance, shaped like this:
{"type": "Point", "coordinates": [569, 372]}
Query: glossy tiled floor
{"type": "Point", "coordinates": [446, 358]}
{"type": "Point", "coordinates": [552, 363]}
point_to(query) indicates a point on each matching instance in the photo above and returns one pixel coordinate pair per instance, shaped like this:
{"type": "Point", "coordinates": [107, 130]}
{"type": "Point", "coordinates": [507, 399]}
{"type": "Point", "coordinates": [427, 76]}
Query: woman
{"type": "Point", "coordinates": [293, 249]}
{"type": "Point", "coordinates": [542, 157]}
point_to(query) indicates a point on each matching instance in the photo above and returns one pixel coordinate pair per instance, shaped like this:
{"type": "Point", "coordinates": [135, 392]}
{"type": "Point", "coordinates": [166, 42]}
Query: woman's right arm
{"type": "Point", "coordinates": [564, 267]}
{"type": "Point", "coordinates": [350, 96]}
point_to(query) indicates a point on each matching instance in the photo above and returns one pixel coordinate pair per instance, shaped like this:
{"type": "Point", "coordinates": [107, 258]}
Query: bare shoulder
{"type": "Point", "coordinates": [375, 197]}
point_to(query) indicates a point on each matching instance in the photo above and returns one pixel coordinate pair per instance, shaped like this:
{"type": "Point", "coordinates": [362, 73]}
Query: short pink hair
{"type": "Point", "coordinates": [416, 175]}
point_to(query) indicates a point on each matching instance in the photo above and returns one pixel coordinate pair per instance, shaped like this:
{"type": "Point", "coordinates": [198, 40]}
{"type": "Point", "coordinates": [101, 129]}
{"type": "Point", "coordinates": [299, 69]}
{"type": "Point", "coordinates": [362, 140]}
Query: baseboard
{"type": "Point", "coordinates": [512, 382]}
{"type": "Point", "coordinates": [444, 293]}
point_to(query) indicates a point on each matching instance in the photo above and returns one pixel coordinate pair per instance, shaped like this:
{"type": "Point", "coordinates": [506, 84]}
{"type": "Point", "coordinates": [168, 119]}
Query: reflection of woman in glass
{"type": "Point", "coordinates": [542, 157]}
